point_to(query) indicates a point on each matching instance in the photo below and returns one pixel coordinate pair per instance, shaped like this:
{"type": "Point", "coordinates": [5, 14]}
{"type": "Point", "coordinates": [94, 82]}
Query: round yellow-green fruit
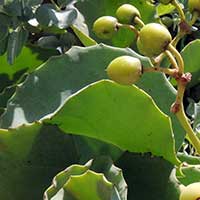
{"type": "Point", "coordinates": [194, 5]}
{"type": "Point", "coordinates": [190, 192]}
{"type": "Point", "coordinates": [126, 13]}
{"type": "Point", "coordinates": [105, 27]}
{"type": "Point", "coordinates": [140, 47]}
{"type": "Point", "coordinates": [153, 39]}
{"type": "Point", "coordinates": [125, 70]}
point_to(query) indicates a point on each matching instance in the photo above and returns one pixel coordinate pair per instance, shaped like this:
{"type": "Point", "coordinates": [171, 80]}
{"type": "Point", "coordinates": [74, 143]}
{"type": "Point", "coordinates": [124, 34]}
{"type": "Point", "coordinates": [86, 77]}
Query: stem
{"type": "Point", "coordinates": [178, 109]}
{"type": "Point", "coordinates": [181, 32]}
{"type": "Point", "coordinates": [195, 16]}
{"type": "Point", "coordinates": [132, 28]}
{"type": "Point", "coordinates": [153, 61]}
{"type": "Point", "coordinates": [137, 20]}
{"type": "Point", "coordinates": [182, 79]}
{"type": "Point", "coordinates": [180, 93]}
{"type": "Point", "coordinates": [171, 59]}
{"type": "Point", "coordinates": [170, 72]}
{"type": "Point", "coordinates": [183, 118]}
{"type": "Point", "coordinates": [53, 2]}
{"type": "Point", "coordinates": [178, 57]}
{"type": "Point", "coordinates": [179, 9]}
{"type": "Point", "coordinates": [159, 59]}
{"type": "Point", "coordinates": [177, 38]}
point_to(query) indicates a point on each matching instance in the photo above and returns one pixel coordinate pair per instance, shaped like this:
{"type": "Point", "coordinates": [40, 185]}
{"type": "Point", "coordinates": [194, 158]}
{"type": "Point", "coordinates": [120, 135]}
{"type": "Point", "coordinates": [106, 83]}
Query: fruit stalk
{"type": "Point", "coordinates": [132, 28]}
{"type": "Point", "coordinates": [195, 16]}
{"type": "Point", "coordinates": [178, 108]}
{"type": "Point", "coordinates": [170, 72]}
{"type": "Point", "coordinates": [177, 38]}
{"type": "Point", "coordinates": [178, 57]}
{"type": "Point", "coordinates": [138, 21]}
{"type": "Point", "coordinates": [183, 118]}
{"type": "Point", "coordinates": [171, 59]}
{"type": "Point", "coordinates": [179, 9]}
{"type": "Point", "coordinates": [183, 32]}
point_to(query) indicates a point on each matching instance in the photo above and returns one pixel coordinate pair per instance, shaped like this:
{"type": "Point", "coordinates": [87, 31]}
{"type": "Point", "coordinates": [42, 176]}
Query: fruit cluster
{"type": "Point", "coordinates": [154, 41]}
{"type": "Point", "coordinates": [126, 70]}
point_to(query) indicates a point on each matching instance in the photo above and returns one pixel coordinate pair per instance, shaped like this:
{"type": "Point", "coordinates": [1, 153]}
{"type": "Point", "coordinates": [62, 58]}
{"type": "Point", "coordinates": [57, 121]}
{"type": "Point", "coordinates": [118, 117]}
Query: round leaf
{"type": "Point", "coordinates": [114, 113]}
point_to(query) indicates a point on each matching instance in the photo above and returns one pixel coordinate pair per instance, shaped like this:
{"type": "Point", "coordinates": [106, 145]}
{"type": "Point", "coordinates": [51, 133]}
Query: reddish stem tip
{"type": "Point", "coordinates": [175, 107]}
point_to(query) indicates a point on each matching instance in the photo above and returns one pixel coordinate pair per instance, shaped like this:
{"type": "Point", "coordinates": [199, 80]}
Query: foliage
{"type": "Point", "coordinates": [61, 119]}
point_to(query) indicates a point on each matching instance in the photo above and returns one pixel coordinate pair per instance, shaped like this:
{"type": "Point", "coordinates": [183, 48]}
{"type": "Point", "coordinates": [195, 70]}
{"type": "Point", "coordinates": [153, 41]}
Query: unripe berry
{"type": "Point", "coordinates": [191, 192]}
{"type": "Point", "coordinates": [194, 5]}
{"type": "Point", "coordinates": [125, 70]}
{"type": "Point", "coordinates": [167, 21]}
{"type": "Point", "coordinates": [126, 13]}
{"type": "Point", "coordinates": [140, 47]}
{"type": "Point", "coordinates": [105, 27]}
{"type": "Point", "coordinates": [153, 39]}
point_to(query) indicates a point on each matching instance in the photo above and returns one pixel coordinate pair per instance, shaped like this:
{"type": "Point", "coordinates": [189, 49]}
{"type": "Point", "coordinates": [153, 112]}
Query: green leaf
{"type": "Point", "coordinates": [89, 148]}
{"type": "Point", "coordinates": [191, 169]}
{"type": "Point", "coordinates": [62, 76]}
{"type": "Point", "coordinates": [108, 7]}
{"type": "Point", "coordinates": [55, 83]}
{"type": "Point", "coordinates": [29, 53]}
{"type": "Point", "coordinates": [192, 160]}
{"type": "Point", "coordinates": [49, 42]}
{"type": "Point", "coordinates": [10, 75]}
{"type": "Point", "coordinates": [192, 60]}
{"type": "Point", "coordinates": [61, 178]}
{"type": "Point", "coordinates": [149, 177]}
{"type": "Point", "coordinates": [32, 2]}
{"type": "Point", "coordinates": [3, 45]}
{"type": "Point", "coordinates": [92, 184]}
{"type": "Point", "coordinates": [46, 15]}
{"type": "Point", "coordinates": [191, 175]}
{"type": "Point", "coordinates": [13, 7]}
{"type": "Point", "coordinates": [86, 40]}
{"type": "Point", "coordinates": [5, 19]}
{"type": "Point", "coordinates": [100, 167]}
{"type": "Point", "coordinates": [30, 156]}
{"type": "Point", "coordinates": [164, 94]}
{"type": "Point", "coordinates": [162, 9]}
{"type": "Point", "coordinates": [16, 40]}
{"type": "Point", "coordinates": [114, 114]}
{"type": "Point", "coordinates": [80, 22]}
{"type": "Point", "coordinates": [113, 174]}
{"type": "Point", "coordinates": [3, 32]}
{"type": "Point", "coordinates": [5, 95]}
